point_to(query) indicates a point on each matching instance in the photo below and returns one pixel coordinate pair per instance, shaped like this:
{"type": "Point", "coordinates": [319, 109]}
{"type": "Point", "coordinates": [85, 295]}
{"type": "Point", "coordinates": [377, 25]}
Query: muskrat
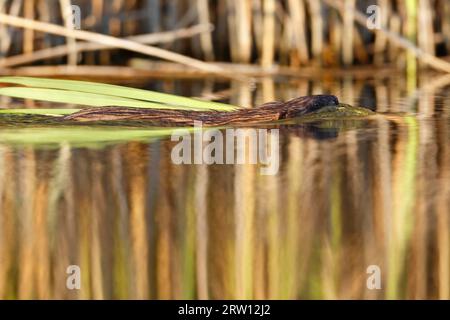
{"type": "Point", "coordinates": [267, 112]}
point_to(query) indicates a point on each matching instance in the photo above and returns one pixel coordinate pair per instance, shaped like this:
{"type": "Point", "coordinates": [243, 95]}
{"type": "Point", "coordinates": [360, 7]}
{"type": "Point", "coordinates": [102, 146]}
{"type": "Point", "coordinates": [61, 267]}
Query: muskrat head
{"type": "Point", "coordinates": [317, 103]}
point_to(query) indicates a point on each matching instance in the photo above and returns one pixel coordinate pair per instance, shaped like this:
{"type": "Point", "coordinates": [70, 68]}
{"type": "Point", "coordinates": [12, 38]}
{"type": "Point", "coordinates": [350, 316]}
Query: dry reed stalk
{"type": "Point", "coordinates": [232, 30]}
{"type": "Point", "coordinates": [298, 21]}
{"type": "Point", "coordinates": [130, 26]}
{"type": "Point", "coordinates": [348, 30]}
{"type": "Point", "coordinates": [3, 30]}
{"type": "Point", "coordinates": [360, 49]}
{"type": "Point", "coordinates": [44, 14]}
{"type": "Point", "coordinates": [239, 24]}
{"type": "Point", "coordinates": [317, 36]}
{"type": "Point", "coordinates": [446, 24]}
{"type": "Point", "coordinates": [112, 26]}
{"type": "Point", "coordinates": [93, 21]}
{"type": "Point", "coordinates": [98, 7]}
{"type": "Point", "coordinates": [6, 34]}
{"type": "Point", "coordinates": [108, 40]}
{"type": "Point", "coordinates": [205, 38]}
{"type": "Point", "coordinates": [104, 17]}
{"type": "Point", "coordinates": [398, 40]}
{"type": "Point", "coordinates": [66, 13]}
{"type": "Point", "coordinates": [114, 23]}
{"type": "Point", "coordinates": [425, 36]}
{"type": "Point", "coordinates": [2, 5]}
{"type": "Point", "coordinates": [395, 25]}
{"type": "Point", "coordinates": [332, 55]}
{"type": "Point", "coordinates": [62, 50]}
{"type": "Point", "coordinates": [268, 45]}
{"type": "Point", "coordinates": [284, 50]}
{"type": "Point", "coordinates": [381, 43]}
{"type": "Point", "coordinates": [257, 24]}
{"type": "Point", "coordinates": [28, 34]}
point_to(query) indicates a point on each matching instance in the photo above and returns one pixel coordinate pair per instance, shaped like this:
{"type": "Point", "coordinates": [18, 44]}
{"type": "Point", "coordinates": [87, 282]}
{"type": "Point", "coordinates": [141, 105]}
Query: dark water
{"type": "Point", "coordinates": [349, 196]}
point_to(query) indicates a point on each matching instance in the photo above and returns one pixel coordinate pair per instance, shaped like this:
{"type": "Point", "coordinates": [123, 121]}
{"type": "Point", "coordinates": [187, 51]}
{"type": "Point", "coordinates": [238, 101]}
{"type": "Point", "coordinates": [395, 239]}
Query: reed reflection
{"type": "Point", "coordinates": [346, 197]}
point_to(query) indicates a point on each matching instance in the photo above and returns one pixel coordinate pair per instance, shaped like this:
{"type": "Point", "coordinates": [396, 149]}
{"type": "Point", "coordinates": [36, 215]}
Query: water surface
{"type": "Point", "coordinates": [348, 195]}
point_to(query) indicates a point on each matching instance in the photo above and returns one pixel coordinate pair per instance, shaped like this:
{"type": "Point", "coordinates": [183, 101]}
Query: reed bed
{"type": "Point", "coordinates": [293, 33]}
{"type": "Point", "coordinates": [146, 228]}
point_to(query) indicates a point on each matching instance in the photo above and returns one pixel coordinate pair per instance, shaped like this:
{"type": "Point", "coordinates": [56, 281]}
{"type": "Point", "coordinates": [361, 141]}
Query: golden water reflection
{"type": "Point", "coordinates": [139, 226]}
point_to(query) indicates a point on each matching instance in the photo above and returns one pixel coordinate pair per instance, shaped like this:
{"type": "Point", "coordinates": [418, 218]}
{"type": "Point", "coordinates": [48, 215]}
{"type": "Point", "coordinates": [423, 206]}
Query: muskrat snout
{"type": "Point", "coordinates": [322, 103]}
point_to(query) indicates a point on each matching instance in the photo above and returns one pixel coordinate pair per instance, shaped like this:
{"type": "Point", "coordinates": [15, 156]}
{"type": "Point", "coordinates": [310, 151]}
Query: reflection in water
{"type": "Point", "coordinates": [374, 193]}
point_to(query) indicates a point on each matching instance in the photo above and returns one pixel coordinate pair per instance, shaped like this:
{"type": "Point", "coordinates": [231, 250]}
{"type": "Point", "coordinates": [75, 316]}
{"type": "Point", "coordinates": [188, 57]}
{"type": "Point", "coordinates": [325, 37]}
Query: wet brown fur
{"type": "Point", "coordinates": [268, 112]}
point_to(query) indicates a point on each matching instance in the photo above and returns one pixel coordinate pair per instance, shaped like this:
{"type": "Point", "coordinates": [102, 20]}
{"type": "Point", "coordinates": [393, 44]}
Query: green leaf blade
{"type": "Point", "coordinates": [118, 91]}
{"type": "Point", "coordinates": [80, 98]}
